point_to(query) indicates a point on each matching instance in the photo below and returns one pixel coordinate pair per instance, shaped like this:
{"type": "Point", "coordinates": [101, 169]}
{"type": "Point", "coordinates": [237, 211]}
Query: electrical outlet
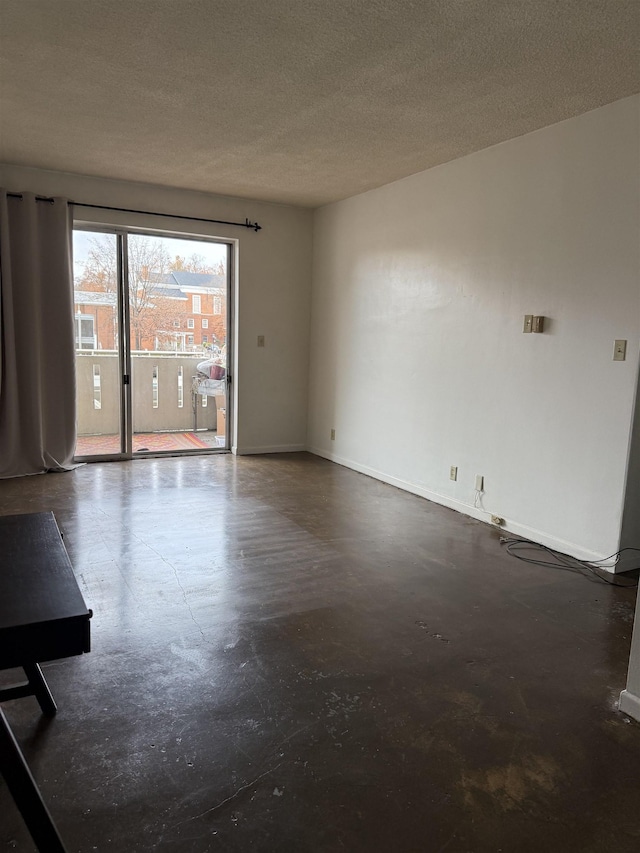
{"type": "Point", "coordinates": [479, 483]}
{"type": "Point", "coordinates": [453, 472]}
{"type": "Point", "coordinates": [620, 351]}
{"type": "Point", "coordinates": [496, 519]}
{"type": "Point", "coordinates": [333, 435]}
{"type": "Point", "coordinates": [260, 340]}
{"type": "Point", "coordinates": [528, 323]}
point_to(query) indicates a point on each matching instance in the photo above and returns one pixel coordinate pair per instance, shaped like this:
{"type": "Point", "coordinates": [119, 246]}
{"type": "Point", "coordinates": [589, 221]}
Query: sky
{"type": "Point", "coordinates": [212, 253]}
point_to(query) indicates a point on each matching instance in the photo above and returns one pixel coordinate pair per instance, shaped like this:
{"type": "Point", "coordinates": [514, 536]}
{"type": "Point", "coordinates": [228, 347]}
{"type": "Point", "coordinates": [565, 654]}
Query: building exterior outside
{"type": "Point", "coordinates": [178, 311]}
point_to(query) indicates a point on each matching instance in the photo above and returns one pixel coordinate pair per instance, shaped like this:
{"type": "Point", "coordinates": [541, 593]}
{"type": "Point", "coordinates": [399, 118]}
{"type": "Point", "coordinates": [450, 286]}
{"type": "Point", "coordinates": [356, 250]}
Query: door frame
{"type": "Point", "coordinates": [121, 233]}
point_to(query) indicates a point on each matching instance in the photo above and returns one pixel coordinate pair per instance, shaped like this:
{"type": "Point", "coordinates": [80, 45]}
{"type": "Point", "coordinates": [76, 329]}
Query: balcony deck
{"type": "Point", "coordinates": [153, 442]}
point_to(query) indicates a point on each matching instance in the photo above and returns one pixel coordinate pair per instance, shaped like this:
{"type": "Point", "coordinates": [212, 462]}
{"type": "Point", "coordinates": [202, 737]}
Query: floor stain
{"type": "Point", "coordinates": [512, 785]}
{"type": "Point", "coordinates": [433, 635]}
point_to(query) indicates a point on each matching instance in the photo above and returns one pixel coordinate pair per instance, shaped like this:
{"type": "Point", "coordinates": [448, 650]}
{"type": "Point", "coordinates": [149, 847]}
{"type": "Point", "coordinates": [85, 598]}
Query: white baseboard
{"type": "Point", "coordinates": [630, 704]}
{"type": "Point", "coordinates": [273, 448]}
{"type": "Point", "coordinates": [459, 506]}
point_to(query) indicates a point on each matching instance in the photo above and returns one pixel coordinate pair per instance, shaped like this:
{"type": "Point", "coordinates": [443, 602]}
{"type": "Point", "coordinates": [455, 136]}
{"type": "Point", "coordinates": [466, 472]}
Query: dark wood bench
{"type": "Point", "coordinates": [43, 617]}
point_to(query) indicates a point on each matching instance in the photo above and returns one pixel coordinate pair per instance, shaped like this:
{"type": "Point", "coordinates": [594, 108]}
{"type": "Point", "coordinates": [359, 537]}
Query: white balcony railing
{"type": "Point", "coordinates": [162, 393]}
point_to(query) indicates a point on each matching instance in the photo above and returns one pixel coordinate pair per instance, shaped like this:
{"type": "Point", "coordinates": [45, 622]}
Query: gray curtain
{"type": "Point", "coordinates": [37, 343]}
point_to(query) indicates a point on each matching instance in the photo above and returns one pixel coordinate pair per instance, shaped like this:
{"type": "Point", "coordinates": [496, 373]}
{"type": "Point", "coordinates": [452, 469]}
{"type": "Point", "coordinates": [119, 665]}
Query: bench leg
{"type": "Point", "coordinates": [26, 794]}
{"type": "Point", "coordinates": [40, 689]}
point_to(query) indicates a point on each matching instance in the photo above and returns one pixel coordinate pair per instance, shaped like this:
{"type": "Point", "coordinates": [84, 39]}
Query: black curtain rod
{"type": "Point", "coordinates": [246, 224]}
{"type": "Point", "coordinates": [38, 197]}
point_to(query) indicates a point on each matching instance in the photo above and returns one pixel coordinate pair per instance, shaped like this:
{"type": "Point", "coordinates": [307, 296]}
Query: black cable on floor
{"type": "Point", "coordinates": [594, 570]}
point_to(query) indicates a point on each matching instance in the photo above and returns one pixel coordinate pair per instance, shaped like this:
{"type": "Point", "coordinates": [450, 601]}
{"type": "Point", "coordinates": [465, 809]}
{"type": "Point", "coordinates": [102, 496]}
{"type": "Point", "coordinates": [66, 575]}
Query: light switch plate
{"type": "Point", "coordinates": [528, 323]}
{"type": "Point", "coordinates": [260, 340]}
{"type": "Point", "coordinates": [538, 324]}
{"type": "Point", "coordinates": [620, 350]}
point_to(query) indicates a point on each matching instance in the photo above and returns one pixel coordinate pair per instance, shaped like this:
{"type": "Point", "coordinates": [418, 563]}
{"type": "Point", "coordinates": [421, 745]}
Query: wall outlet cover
{"type": "Point", "coordinates": [620, 350]}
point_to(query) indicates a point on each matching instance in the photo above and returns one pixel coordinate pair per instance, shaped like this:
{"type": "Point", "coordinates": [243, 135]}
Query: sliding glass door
{"type": "Point", "coordinates": [152, 343]}
{"type": "Point", "coordinates": [97, 328]}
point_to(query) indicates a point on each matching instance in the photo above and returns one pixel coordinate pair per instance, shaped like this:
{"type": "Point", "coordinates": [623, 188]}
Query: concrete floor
{"type": "Point", "coordinates": [290, 656]}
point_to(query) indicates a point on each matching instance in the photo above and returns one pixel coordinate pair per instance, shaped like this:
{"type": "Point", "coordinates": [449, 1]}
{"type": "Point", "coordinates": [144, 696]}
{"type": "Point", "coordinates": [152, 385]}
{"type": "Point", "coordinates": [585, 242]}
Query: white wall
{"type": "Point", "coordinates": [273, 295]}
{"type": "Point", "coordinates": [418, 359]}
{"type": "Point", "coordinates": [630, 535]}
{"type": "Point", "coordinates": [630, 698]}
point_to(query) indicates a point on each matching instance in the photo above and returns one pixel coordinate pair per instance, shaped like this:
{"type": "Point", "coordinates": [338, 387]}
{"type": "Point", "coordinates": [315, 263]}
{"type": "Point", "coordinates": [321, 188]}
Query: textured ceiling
{"type": "Point", "coordinates": [297, 101]}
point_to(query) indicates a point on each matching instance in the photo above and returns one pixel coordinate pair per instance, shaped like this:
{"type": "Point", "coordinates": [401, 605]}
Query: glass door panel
{"type": "Point", "coordinates": [178, 336]}
{"type": "Point", "coordinates": [98, 395]}
{"type": "Point", "coordinates": [151, 323]}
